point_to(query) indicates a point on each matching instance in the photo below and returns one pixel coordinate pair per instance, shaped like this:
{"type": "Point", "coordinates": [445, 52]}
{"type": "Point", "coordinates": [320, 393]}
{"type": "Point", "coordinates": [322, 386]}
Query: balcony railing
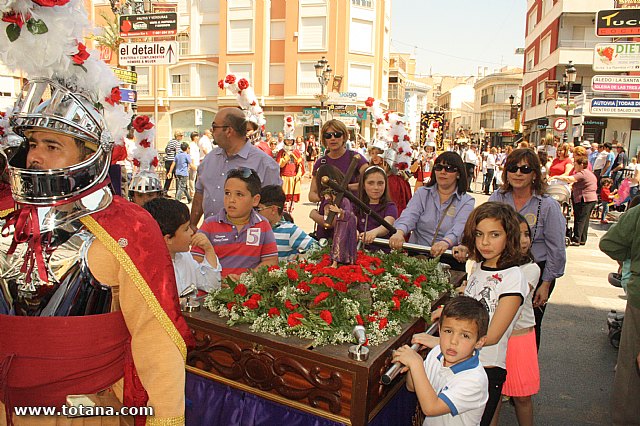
{"type": "Point", "coordinates": [580, 44]}
{"type": "Point", "coordinates": [308, 88]}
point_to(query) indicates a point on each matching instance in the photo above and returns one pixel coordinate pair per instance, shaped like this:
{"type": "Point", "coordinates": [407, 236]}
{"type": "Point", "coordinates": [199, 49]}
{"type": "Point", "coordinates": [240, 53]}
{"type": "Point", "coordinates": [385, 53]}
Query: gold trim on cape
{"type": "Point", "coordinates": [142, 286]}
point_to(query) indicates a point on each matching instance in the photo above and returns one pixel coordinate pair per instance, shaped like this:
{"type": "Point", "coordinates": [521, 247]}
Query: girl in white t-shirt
{"type": "Point", "coordinates": [493, 234]}
{"type": "Point", "coordinates": [523, 374]}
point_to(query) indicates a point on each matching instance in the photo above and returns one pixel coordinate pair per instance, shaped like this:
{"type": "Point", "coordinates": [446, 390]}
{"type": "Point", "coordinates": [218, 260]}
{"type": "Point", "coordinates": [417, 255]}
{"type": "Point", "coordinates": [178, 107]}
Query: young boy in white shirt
{"type": "Point", "coordinates": [173, 218]}
{"type": "Point", "coordinates": [451, 384]}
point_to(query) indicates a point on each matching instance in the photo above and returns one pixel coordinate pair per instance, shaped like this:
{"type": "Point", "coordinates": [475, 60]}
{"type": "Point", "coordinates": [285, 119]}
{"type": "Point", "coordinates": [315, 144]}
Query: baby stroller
{"type": "Point", "coordinates": [561, 192]}
{"type": "Point", "coordinates": [614, 318]}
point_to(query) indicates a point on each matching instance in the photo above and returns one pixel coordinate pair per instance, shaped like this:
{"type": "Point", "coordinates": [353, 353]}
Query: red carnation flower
{"type": "Point", "coordinates": [340, 286]}
{"type": "Point", "coordinates": [326, 316]}
{"type": "Point", "coordinates": [407, 138]}
{"type": "Point", "coordinates": [379, 121]}
{"type": "Point", "coordinates": [221, 84]}
{"type": "Point", "coordinates": [359, 319]}
{"type": "Point", "coordinates": [251, 304]}
{"type": "Point", "coordinates": [51, 3]}
{"type": "Point", "coordinates": [256, 297]}
{"type": "Point", "coordinates": [403, 278]}
{"type": "Point", "coordinates": [154, 162]}
{"type": "Point", "coordinates": [145, 143]}
{"type": "Point", "coordinates": [396, 138]}
{"type": "Point", "coordinates": [240, 290]}
{"type": "Point", "coordinates": [230, 79]}
{"type": "Point", "coordinates": [136, 162]}
{"type": "Point", "coordinates": [289, 119]}
{"type": "Point", "coordinates": [320, 297]}
{"type": "Point", "coordinates": [369, 102]}
{"type": "Point", "coordinates": [290, 306]}
{"type": "Point", "coordinates": [402, 166]}
{"type": "Point", "coordinates": [243, 84]}
{"type": "Point", "coordinates": [142, 123]}
{"type": "Point", "coordinates": [383, 323]}
{"type": "Point", "coordinates": [273, 312]}
{"type": "Point", "coordinates": [114, 97]}
{"type": "Point", "coordinates": [303, 286]}
{"type": "Point", "coordinates": [82, 54]}
{"type": "Point", "coordinates": [436, 125]}
{"type": "Point", "coordinates": [273, 268]}
{"type": "Point", "coordinates": [378, 271]}
{"type": "Point", "coordinates": [400, 150]}
{"type": "Point", "coordinates": [421, 278]}
{"type": "Point", "coordinates": [294, 319]}
{"type": "Point", "coordinates": [401, 294]}
{"type": "Point", "coordinates": [292, 274]}
{"type": "Point", "coordinates": [230, 305]}
{"type": "Point", "coordinates": [396, 303]}
{"type": "Point", "coordinates": [372, 318]}
{"type": "Point", "coordinates": [15, 18]}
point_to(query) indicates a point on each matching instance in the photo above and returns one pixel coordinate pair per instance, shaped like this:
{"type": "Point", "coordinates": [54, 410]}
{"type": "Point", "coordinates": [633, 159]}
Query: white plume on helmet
{"type": "Point", "coordinates": [245, 96]}
{"type": "Point", "coordinates": [390, 129]}
{"type": "Point", "coordinates": [289, 127]}
{"type": "Point", "coordinates": [145, 158]}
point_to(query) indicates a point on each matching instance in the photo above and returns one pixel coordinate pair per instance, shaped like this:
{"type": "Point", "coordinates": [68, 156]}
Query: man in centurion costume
{"type": "Point", "coordinates": [88, 300]}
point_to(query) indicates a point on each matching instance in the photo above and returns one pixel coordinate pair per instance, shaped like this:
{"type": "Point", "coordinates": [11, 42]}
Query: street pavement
{"type": "Point", "coordinates": [576, 360]}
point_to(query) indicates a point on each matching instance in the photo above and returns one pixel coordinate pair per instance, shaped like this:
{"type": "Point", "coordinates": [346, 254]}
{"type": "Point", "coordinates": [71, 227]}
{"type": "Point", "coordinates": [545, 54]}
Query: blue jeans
{"type": "Point", "coordinates": [605, 210]}
{"type": "Point", "coordinates": [182, 183]}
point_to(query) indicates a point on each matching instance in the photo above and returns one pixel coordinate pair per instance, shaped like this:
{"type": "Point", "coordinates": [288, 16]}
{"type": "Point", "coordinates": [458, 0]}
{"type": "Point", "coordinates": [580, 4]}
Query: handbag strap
{"type": "Point", "coordinates": [444, 214]}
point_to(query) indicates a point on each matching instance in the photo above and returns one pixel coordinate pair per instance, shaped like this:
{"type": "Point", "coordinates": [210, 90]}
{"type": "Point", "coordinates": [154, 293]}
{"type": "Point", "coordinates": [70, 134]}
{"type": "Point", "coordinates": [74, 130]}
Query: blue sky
{"type": "Point", "coordinates": [454, 37]}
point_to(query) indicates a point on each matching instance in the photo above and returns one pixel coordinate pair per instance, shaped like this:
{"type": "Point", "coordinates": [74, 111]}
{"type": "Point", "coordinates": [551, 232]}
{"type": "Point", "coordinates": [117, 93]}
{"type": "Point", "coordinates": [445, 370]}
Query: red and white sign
{"type": "Point", "coordinates": [616, 83]}
{"type": "Point", "coordinates": [560, 124]}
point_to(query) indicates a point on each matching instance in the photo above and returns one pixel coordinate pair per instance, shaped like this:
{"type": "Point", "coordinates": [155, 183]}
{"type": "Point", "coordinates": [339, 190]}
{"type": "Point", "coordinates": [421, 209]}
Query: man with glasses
{"type": "Point", "coordinates": [229, 130]}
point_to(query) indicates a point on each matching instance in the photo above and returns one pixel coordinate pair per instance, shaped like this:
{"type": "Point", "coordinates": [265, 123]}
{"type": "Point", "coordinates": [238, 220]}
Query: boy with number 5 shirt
{"type": "Point", "coordinates": [242, 238]}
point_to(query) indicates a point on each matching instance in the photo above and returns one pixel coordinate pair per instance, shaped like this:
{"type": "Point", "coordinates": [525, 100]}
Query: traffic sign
{"type": "Point", "coordinates": [618, 107]}
{"type": "Point", "coordinates": [149, 25]}
{"type": "Point", "coordinates": [128, 96]}
{"type": "Point", "coordinates": [560, 124]}
{"type": "Point", "coordinates": [157, 53]}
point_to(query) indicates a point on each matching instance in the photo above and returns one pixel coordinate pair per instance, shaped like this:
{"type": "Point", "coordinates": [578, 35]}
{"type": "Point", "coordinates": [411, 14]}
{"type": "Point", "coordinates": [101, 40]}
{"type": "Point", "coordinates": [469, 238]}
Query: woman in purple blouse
{"type": "Point", "coordinates": [334, 138]}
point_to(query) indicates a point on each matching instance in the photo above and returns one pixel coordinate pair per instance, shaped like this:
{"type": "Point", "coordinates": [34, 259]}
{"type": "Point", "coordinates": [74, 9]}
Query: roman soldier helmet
{"type": "Point", "coordinates": [73, 93]}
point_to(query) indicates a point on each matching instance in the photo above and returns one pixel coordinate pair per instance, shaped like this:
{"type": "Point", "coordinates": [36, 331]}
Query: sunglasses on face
{"type": "Point", "coordinates": [244, 172]}
{"type": "Point", "coordinates": [447, 168]}
{"type": "Point", "coordinates": [329, 135]}
{"type": "Point", "coordinates": [523, 169]}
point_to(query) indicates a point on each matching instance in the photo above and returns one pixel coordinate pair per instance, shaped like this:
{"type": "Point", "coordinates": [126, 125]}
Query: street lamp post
{"type": "Point", "coordinates": [570, 78]}
{"type": "Point", "coordinates": [323, 72]}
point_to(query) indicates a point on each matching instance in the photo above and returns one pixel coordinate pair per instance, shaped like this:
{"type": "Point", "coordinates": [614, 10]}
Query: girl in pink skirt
{"type": "Point", "coordinates": [523, 374]}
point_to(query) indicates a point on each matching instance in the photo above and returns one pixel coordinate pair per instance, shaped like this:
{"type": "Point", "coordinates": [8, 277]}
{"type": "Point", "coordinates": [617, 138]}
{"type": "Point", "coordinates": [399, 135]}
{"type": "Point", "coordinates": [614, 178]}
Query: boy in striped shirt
{"type": "Point", "coordinates": [290, 239]}
{"type": "Point", "coordinates": [242, 238]}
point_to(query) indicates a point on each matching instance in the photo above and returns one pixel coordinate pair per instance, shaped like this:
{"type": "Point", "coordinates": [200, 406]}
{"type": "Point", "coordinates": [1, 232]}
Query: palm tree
{"type": "Point", "coordinates": [110, 37]}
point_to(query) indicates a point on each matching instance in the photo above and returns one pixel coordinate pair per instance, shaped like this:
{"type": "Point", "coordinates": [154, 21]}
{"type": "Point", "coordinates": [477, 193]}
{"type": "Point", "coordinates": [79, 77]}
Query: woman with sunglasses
{"type": "Point", "coordinates": [438, 211]}
{"type": "Point", "coordinates": [334, 137]}
{"type": "Point", "coordinates": [523, 189]}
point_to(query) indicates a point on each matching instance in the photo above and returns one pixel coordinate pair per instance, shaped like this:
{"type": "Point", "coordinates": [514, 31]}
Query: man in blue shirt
{"type": "Point", "coordinates": [606, 171]}
{"type": "Point", "coordinates": [182, 164]}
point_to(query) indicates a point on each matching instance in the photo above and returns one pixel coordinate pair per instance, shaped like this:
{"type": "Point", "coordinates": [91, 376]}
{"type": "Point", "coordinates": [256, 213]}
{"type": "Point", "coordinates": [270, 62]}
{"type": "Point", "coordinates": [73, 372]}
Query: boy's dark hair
{"type": "Point", "coordinates": [607, 145]}
{"type": "Point", "coordinates": [508, 218]}
{"type": "Point", "coordinates": [194, 135]}
{"type": "Point", "coordinates": [273, 195]}
{"type": "Point", "coordinates": [170, 214]}
{"type": "Point", "coordinates": [184, 146]}
{"type": "Point", "coordinates": [467, 308]}
{"type": "Point", "coordinates": [332, 172]}
{"type": "Point", "coordinates": [248, 176]}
